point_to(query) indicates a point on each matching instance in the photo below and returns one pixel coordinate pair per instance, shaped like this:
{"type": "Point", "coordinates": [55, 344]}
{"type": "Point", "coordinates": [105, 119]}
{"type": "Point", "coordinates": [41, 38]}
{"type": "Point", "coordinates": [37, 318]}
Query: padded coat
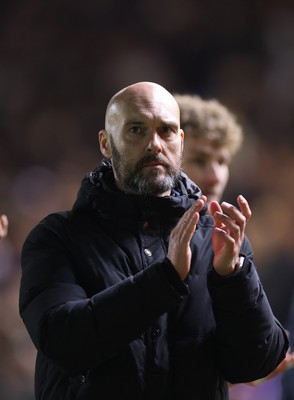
{"type": "Point", "coordinates": [110, 317]}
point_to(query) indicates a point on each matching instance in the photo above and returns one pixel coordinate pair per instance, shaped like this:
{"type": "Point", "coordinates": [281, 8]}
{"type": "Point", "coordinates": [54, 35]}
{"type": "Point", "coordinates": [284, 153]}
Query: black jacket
{"type": "Point", "coordinates": [111, 318]}
{"type": "Point", "coordinates": [288, 376]}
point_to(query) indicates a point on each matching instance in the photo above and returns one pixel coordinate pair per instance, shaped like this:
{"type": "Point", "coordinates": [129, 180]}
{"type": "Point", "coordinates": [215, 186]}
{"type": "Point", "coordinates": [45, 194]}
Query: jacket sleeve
{"type": "Point", "coordinates": [77, 332]}
{"type": "Point", "coordinates": [288, 376]}
{"type": "Point", "coordinates": [248, 336]}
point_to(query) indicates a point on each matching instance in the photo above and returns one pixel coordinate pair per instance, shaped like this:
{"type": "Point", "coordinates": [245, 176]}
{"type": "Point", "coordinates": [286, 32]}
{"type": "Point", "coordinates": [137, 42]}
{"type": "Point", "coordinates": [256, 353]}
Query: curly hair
{"type": "Point", "coordinates": [209, 119]}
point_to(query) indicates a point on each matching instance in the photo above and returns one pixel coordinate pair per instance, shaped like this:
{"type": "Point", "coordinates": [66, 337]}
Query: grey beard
{"type": "Point", "coordinates": [148, 186]}
{"type": "Point", "coordinates": [135, 182]}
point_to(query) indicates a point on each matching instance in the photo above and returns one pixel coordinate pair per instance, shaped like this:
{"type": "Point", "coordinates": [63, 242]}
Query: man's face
{"type": "Point", "coordinates": [145, 142]}
{"type": "Point", "coordinates": [207, 165]}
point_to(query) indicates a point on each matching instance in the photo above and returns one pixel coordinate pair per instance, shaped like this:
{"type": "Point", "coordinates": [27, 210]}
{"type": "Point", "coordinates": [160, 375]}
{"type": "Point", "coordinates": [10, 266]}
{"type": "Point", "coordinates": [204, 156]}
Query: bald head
{"type": "Point", "coordinates": [143, 139]}
{"type": "Point", "coordinates": [141, 95]}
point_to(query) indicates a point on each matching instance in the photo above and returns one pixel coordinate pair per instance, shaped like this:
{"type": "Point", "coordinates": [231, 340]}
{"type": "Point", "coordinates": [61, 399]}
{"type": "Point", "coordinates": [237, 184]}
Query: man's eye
{"type": "Point", "coordinates": [136, 130]}
{"type": "Point", "coordinates": [166, 129]}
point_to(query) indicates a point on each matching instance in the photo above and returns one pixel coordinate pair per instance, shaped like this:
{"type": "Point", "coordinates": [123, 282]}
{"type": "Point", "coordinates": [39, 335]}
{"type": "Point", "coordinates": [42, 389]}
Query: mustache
{"type": "Point", "coordinates": [151, 158]}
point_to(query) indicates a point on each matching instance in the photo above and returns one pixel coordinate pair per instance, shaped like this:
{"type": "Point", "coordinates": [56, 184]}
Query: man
{"type": "Point", "coordinates": [135, 293]}
{"type": "Point", "coordinates": [212, 138]}
{"type": "Point", "coordinates": [3, 226]}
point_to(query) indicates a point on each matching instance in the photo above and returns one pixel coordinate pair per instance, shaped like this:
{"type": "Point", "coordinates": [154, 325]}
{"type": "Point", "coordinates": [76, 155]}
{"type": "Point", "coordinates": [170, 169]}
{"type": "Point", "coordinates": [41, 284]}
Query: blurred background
{"type": "Point", "coordinates": [61, 61]}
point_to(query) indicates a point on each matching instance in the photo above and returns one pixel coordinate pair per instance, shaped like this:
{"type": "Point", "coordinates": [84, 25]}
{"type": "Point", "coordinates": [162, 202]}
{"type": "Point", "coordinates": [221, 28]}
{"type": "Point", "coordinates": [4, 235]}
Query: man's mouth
{"type": "Point", "coordinates": [153, 164]}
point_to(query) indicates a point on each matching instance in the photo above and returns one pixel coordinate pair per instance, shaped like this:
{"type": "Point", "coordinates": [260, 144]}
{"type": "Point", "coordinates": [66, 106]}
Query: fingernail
{"type": "Point", "coordinates": [224, 203]}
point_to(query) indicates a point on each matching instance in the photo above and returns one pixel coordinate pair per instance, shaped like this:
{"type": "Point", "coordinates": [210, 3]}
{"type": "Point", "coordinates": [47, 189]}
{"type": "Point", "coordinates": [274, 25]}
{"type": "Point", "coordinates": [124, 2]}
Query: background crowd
{"type": "Point", "coordinates": [60, 63]}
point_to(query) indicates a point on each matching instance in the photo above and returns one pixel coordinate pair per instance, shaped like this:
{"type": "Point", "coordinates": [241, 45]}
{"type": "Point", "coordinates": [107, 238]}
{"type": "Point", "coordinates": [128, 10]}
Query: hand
{"type": "Point", "coordinates": [228, 234]}
{"type": "Point", "coordinates": [3, 226]}
{"type": "Point", "coordinates": [179, 252]}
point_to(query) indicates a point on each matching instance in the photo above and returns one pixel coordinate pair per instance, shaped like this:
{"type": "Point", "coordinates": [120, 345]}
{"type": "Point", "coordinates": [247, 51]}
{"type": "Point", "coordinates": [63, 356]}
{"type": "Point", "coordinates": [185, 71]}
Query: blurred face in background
{"type": "Point", "coordinates": [207, 165]}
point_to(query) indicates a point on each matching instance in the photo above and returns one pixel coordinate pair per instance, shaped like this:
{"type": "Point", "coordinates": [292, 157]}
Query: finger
{"type": "Point", "coordinates": [244, 207]}
{"type": "Point", "coordinates": [213, 207]}
{"type": "Point", "coordinates": [180, 238]}
{"type": "Point", "coordinates": [235, 214]}
{"type": "Point", "coordinates": [189, 216]}
{"type": "Point", "coordinates": [190, 228]}
{"type": "Point", "coordinates": [204, 198]}
{"type": "Point", "coordinates": [227, 224]}
{"type": "Point", "coordinates": [195, 208]}
{"type": "Point", "coordinates": [226, 237]}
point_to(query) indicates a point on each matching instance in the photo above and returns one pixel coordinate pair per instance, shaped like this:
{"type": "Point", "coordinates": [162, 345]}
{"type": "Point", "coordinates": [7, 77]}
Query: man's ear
{"type": "Point", "coordinates": [182, 133]}
{"type": "Point", "coordinates": [104, 143]}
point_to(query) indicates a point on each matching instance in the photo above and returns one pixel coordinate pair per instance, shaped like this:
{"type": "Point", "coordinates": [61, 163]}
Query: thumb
{"type": "Point", "coordinates": [213, 207]}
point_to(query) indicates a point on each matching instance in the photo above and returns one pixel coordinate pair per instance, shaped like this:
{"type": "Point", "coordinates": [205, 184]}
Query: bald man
{"type": "Point", "coordinates": [136, 293]}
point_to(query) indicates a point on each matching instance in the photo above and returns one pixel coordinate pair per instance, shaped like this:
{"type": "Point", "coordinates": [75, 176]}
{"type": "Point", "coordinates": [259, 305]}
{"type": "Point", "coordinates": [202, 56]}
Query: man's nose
{"type": "Point", "coordinates": [154, 144]}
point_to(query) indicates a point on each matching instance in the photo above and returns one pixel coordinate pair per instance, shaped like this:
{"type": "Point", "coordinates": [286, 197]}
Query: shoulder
{"type": "Point", "coordinates": [53, 224]}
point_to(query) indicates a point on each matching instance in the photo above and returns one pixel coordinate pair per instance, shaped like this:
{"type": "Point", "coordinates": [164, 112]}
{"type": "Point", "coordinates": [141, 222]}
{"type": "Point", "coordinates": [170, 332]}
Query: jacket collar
{"type": "Point", "coordinates": [99, 192]}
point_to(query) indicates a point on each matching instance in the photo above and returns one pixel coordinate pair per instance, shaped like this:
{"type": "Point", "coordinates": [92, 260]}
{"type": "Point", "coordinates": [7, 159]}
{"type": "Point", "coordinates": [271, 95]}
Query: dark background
{"type": "Point", "coordinates": [61, 61]}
